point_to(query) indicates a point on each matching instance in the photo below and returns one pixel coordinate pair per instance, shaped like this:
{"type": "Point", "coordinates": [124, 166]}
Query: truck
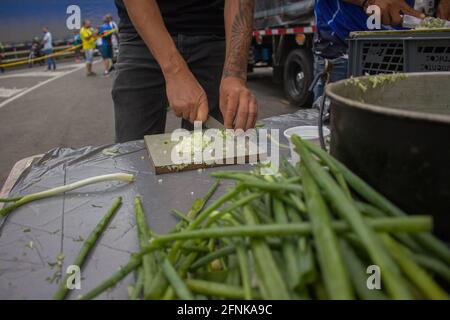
{"type": "Point", "coordinates": [283, 40]}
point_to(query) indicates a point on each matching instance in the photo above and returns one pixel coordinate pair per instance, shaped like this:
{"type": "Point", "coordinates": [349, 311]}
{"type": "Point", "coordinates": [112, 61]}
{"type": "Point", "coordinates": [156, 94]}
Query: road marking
{"type": "Point", "coordinates": [21, 73]}
{"type": "Point", "coordinates": [62, 74]}
{"type": "Point", "coordinates": [7, 93]}
{"type": "Point", "coordinates": [32, 74]}
{"type": "Point", "coordinates": [72, 65]}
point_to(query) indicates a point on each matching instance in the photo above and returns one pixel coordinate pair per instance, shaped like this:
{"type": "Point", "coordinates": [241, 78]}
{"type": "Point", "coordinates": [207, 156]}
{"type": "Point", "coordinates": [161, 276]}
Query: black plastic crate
{"type": "Point", "coordinates": [399, 51]}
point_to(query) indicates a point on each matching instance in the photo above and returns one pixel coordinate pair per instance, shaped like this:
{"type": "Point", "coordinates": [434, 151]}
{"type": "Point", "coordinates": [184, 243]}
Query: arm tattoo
{"type": "Point", "coordinates": [240, 37]}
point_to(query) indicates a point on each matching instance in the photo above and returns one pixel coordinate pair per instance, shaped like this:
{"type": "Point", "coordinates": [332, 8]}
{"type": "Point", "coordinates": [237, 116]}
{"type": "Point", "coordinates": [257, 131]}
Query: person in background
{"type": "Point", "coordinates": [105, 45]}
{"type": "Point", "coordinates": [88, 35]}
{"type": "Point", "coordinates": [2, 55]}
{"type": "Point", "coordinates": [35, 52]}
{"type": "Point", "coordinates": [76, 42]}
{"type": "Point", "coordinates": [98, 41]}
{"type": "Point", "coordinates": [47, 49]}
{"type": "Point", "coordinates": [335, 19]}
{"type": "Point", "coordinates": [188, 55]}
{"type": "Point", "coordinates": [114, 36]}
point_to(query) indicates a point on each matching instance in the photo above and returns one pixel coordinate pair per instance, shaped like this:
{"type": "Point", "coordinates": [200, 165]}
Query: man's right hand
{"type": "Point", "coordinates": [392, 11]}
{"type": "Point", "coordinates": [186, 96]}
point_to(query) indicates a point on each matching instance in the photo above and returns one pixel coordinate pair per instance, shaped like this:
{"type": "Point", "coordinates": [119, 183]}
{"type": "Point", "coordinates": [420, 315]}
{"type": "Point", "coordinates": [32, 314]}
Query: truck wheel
{"type": "Point", "coordinates": [297, 77]}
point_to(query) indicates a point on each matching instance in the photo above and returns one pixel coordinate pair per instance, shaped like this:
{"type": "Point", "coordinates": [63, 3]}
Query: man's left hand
{"type": "Point", "coordinates": [237, 104]}
{"type": "Point", "coordinates": [443, 10]}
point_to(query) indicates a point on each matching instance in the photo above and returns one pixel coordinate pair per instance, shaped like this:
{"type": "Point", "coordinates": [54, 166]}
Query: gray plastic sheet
{"type": "Point", "coordinates": [36, 234]}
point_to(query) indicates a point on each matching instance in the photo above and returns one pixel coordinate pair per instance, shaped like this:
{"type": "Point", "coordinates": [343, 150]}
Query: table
{"type": "Point", "coordinates": [35, 235]}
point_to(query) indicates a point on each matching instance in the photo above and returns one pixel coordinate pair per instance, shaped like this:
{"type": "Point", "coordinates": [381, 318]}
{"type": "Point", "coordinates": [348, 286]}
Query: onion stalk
{"type": "Point", "coordinates": [88, 246]}
{"type": "Point", "coordinates": [22, 200]}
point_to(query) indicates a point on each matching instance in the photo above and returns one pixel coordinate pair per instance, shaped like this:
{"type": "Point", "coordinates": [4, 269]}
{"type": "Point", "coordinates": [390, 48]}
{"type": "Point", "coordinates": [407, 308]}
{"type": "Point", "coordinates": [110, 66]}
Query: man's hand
{"type": "Point", "coordinates": [392, 11]}
{"type": "Point", "coordinates": [237, 104]}
{"type": "Point", "coordinates": [443, 10]}
{"type": "Point", "coordinates": [186, 96]}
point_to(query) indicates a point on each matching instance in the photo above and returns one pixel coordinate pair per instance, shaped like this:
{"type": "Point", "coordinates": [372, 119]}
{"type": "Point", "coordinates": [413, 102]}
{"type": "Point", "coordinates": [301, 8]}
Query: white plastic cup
{"type": "Point", "coordinates": [310, 133]}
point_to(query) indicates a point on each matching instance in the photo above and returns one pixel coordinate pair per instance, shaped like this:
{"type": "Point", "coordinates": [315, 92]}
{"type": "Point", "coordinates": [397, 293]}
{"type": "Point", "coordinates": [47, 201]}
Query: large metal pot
{"type": "Point", "coordinates": [397, 137]}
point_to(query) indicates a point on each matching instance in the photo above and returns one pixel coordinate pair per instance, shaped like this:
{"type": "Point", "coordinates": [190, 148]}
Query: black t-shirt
{"type": "Point", "coordinates": [192, 17]}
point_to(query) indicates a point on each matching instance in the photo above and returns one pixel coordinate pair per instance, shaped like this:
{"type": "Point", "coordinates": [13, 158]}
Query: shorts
{"type": "Point", "coordinates": [106, 52]}
{"type": "Point", "coordinates": [89, 55]}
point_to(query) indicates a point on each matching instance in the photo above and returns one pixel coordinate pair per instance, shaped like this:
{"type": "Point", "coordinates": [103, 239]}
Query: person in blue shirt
{"type": "Point", "coordinates": [106, 45]}
{"type": "Point", "coordinates": [335, 19]}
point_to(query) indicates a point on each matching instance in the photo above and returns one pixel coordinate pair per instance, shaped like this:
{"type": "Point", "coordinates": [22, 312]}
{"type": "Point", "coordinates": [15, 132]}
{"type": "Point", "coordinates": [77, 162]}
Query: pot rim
{"type": "Point", "coordinates": [416, 115]}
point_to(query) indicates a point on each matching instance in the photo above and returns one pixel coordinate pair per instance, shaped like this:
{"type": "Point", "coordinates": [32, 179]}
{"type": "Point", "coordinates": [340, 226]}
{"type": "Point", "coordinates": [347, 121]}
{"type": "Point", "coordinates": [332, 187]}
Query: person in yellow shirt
{"type": "Point", "coordinates": [88, 37]}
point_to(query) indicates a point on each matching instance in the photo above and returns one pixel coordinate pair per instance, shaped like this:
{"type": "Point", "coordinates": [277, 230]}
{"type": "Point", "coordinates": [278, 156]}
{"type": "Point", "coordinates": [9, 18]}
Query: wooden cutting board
{"type": "Point", "coordinates": [160, 147]}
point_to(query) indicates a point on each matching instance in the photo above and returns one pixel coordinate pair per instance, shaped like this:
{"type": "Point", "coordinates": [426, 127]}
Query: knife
{"type": "Point", "coordinates": [212, 123]}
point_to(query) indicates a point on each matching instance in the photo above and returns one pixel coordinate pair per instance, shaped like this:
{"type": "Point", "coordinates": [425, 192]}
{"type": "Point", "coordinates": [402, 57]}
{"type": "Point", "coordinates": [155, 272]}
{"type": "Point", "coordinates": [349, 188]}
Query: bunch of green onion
{"type": "Point", "coordinates": [310, 232]}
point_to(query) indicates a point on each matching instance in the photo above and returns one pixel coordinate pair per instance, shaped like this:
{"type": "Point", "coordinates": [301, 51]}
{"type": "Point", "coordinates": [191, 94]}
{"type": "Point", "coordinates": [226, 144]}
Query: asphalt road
{"type": "Point", "coordinates": [42, 110]}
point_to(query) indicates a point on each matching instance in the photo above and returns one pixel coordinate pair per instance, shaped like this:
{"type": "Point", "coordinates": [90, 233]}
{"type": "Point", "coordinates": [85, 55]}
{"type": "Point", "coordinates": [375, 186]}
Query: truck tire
{"type": "Point", "coordinates": [297, 77]}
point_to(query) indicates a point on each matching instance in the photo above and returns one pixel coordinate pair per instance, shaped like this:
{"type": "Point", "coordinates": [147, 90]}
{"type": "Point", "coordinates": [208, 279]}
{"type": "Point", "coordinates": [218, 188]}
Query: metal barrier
{"type": "Point", "coordinates": [15, 56]}
{"type": "Point", "coordinates": [63, 50]}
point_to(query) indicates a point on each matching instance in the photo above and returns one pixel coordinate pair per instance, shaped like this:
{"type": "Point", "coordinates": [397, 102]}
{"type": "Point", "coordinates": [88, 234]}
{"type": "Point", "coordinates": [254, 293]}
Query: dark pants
{"type": "Point", "coordinates": [139, 93]}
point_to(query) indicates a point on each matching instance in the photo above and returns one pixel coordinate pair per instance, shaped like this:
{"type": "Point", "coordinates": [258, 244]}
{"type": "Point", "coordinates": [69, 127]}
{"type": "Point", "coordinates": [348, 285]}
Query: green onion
{"type": "Point", "coordinates": [306, 265]}
{"type": "Point", "coordinates": [395, 283]}
{"type": "Point", "coordinates": [213, 256]}
{"type": "Point", "coordinates": [88, 246]}
{"type": "Point", "coordinates": [216, 289]}
{"type": "Point", "coordinates": [60, 190]}
{"type": "Point", "coordinates": [335, 276]}
{"type": "Point", "coordinates": [287, 246]}
{"type": "Point", "coordinates": [138, 286]}
{"type": "Point", "coordinates": [358, 274]}
{"type": "Point", "coordinates": [134, 263]}
{"type": "Point", "coordinates": [372, 211]}
{"type": "Point", "coordinates": [177, 283]}
{"type": "Point", "coordinates": [181, 215]}
{"type": "Point", "coordinates": [10, 199]}
{"type": "Point", "coordinates": [271, 281]}
{"type": "Point", "coordinates": [148, 261]}
{"type": "Point", "coordinates": [415, 273]}
{"type": "Point", "coordinates": [400, 224]}
{"type": "Point", "coordinates": [237, 204]}
{"type": "Point", "coordinates": [427, 240]}
{"type": "Point", "coordinates": [434, 265]}
{"type": "Point", "coordinates": [245, 270]}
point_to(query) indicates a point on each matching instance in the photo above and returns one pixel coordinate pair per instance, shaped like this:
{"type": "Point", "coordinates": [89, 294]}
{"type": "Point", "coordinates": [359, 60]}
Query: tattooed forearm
{"type": "Point", "coordinates": [239, 27]}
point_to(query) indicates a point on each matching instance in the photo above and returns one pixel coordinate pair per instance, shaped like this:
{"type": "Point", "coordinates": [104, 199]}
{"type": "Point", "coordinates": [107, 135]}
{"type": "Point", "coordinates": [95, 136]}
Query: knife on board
{"type": "Point", "coordinates": [213, 123]}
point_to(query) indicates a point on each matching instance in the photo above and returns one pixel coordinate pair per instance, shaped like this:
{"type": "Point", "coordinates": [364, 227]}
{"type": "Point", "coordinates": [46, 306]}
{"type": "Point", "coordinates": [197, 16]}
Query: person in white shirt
{"type": "Point", "coordinates": [47, 49]}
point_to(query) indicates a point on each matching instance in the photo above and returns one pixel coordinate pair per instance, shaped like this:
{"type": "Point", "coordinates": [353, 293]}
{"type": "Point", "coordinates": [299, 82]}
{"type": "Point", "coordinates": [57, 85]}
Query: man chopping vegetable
{"type": "Point", "coordinates": [189, 55]}
{"type": "Point", "coordinates": [335, 20]}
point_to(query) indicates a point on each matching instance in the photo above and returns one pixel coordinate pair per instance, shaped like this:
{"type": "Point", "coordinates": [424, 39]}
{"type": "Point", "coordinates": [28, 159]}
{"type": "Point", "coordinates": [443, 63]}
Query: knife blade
{"type": "Point", "coordinates": [212, 123]}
